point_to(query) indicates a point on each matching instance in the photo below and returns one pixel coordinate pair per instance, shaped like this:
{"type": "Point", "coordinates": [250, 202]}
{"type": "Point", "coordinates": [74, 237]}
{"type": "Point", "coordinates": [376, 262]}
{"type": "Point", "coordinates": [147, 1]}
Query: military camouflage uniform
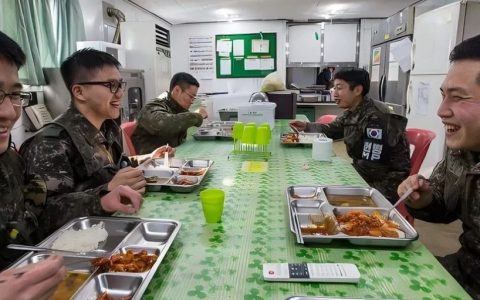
{"type": "Point", "coordinates": [376, 141]}
{"type": "Point", "coordinates": [77, 161]}
{"type": "Point", "coordinates": [18, 210]}
{"type": "Point", "coordinates": [455, 184]}
{"type": "Point", "coordinates": [163, 121]}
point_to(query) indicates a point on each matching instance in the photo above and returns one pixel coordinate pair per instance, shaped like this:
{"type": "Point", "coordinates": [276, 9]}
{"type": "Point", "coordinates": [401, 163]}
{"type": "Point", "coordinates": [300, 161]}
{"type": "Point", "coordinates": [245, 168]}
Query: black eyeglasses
{"type": "Point", "coordinates": [16, 98]}
{"type": "Point", "coordinates": [113, 85]}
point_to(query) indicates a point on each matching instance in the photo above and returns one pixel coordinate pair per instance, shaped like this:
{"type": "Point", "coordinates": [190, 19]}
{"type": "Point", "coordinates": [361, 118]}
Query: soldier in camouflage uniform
{"type": "Point", "coordinates": [453, 190]}
{"type": "Point", "coordinates": [79, 155]}
{"type": "Point", "coordinates": [165, 120]}
{"type": "Point", "coordinates": [375, 138]}
{"type": "Point", "coordinates": [17, 214]}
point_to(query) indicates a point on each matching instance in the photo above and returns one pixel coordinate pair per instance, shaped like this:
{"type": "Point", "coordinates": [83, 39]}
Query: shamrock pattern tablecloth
{"type": "Point", "coordinates": [224, 260]}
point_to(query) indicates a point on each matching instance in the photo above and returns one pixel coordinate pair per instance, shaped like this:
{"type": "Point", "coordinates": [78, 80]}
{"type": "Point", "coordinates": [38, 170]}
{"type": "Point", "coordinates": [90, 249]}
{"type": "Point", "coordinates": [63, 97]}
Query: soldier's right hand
{"type": "Point", "coordinates": [122, 199]}
{"type": "Point", "coordinates": [34, 281]}
{"type": "Point", "coordinates": [203, 112]}
{"type": "Point", "coordinates": [128, 176]}
{"type": "Point", "coordinates": [299, 125]}
{"type": "Point", "coordinates": [421, 195]}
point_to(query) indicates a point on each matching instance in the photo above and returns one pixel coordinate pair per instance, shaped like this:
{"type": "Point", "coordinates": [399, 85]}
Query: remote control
{"type": "Point", "coordinates": [311, 272]}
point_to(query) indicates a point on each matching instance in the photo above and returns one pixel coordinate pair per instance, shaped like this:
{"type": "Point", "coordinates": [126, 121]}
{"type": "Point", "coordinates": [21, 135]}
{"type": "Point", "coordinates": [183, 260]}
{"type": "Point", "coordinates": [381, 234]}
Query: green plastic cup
{"type": "Point", "coordinates": [269, 131]}
{"type": "Point", "coordinates": [237, 131]}
{"type": "Point", "coordinates": [249, 133]}
{"type": "Point", "coordinates": [212, 204]}
{"type": "Point", "coordinates": [262, 137]}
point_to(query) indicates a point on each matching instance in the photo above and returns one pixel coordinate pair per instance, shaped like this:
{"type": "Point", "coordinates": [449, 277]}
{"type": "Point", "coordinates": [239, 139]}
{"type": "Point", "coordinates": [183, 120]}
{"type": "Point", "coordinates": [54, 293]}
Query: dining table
{"type": "Point", "coordinates": [224, 260]}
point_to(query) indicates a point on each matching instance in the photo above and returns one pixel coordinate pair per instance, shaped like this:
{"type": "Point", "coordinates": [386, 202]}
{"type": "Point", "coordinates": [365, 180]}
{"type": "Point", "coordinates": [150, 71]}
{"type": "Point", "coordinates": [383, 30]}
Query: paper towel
{"type": "Point", "coordinates": [322, 149]}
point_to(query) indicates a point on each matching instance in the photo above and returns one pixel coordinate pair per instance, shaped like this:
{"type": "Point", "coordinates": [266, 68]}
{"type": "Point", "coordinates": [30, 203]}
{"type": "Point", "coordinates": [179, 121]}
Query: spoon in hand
{"type": "Point", "coordinates": [400, 200]}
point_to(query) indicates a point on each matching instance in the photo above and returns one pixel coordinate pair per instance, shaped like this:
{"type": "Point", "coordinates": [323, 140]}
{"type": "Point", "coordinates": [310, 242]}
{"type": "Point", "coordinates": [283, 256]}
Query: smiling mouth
{"type": "Point", "coordinates": [450, 128]}
{"type": "Point", "coordinates": [3, 129]}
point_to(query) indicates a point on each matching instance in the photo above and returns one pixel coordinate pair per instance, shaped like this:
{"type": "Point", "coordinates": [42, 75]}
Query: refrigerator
{"type": "Point", "coordinates": [390, 60]}
{"type": "Point", "coordinates": [435, 35]}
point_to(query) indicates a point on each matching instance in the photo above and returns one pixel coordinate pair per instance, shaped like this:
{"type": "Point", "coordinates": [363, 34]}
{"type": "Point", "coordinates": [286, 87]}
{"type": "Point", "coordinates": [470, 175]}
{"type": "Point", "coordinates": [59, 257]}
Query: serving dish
{"type": "Point", "coordinates": [154, 236]}
{"type": "Point", "coordinates": [318, 214]}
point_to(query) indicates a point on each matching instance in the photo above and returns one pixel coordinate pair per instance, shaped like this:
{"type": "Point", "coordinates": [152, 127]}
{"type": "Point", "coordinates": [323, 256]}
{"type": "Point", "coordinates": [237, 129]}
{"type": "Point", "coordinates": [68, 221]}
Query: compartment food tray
{"type": "Point", "coordinates": [153, 235]}
{"type": "Point", "coordinates": [215, 130]}
{"type": "Point", "coordinates": [305, 138]}
{"type": "Point", "coordinates": [181, 175]}
{"type": "Point", "coordinates": [306, 200]}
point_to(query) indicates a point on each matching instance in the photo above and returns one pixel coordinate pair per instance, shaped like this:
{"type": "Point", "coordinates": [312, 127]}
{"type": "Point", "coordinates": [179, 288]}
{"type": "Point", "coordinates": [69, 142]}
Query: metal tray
{"type": "Point", "coordinates": [305, 138]}
{"type": "Point", "coordinates": [314, 200]}
{"type": "Point", "coordinates": [153, 235]}
{"type": "Point", "coordinates": [215, 130]}
{"type": "Point", "coordinates": [189, 172]}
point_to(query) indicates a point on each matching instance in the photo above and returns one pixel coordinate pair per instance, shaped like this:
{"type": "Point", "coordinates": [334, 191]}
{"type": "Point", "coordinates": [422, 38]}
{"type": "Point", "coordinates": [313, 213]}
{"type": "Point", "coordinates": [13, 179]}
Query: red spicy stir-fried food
{"type": "Point", "coordinates": [183, 181]}
{"type": "Point", "coordinates": [291, 138]}
{"type": "Point", "coordinates": [126, 262]}
{"type": "Point", "coordinates": [358, 223]}
{"type": "Point", "coordinates": [105, 296]}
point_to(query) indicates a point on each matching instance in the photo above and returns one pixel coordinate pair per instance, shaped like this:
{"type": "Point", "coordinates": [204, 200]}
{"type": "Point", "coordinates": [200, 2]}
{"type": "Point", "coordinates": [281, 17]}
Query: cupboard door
{"type": "Point", "coordinates": [304, 43]}
{"type": "Point", "coordinates": [340, 43]}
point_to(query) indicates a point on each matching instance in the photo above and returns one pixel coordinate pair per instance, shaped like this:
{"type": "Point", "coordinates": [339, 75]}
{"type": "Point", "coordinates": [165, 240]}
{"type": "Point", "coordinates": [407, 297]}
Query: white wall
{"type": "Point", "coordinates": [179, 47]}
{"type": "Point", "coordinates": [366, 41]}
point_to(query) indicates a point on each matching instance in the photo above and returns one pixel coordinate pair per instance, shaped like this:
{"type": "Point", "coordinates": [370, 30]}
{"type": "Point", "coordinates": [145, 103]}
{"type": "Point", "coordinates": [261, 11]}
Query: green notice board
{"type": "Point", "coordinates": [245, 55]}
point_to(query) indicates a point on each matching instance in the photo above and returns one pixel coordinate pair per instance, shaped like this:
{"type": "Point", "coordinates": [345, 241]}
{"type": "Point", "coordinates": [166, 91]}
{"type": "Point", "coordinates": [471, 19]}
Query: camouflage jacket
{"type": "Point", "coordinates": [375, 139]}
{"type": "Point", "coordinates": [18, 211]}
{"type": "Point", "coordinates": [77, 161]}
{"type": "Point", "coordinates": [455, 184]}
{"type": "Point", "coordinates": [163, 121]}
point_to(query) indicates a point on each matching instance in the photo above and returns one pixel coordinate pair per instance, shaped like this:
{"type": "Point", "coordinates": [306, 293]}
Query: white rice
{"type": "Point", "coordinates": [81, 240]}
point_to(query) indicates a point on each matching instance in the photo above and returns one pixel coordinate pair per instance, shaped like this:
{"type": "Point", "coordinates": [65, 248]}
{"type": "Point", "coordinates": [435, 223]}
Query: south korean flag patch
{"type": "Point", "coordinates": [374, 133]}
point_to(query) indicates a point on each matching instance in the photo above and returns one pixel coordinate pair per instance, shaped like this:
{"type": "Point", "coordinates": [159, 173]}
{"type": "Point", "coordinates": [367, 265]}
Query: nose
{"type": "Point", "coordinates": [7, 110]}
{"type": "Point", "coordinates": [444, 110]}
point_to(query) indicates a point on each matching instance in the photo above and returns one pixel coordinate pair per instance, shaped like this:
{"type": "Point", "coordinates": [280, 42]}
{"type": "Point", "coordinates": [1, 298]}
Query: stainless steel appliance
{"type": "Point", "coordinates": [389, 81]}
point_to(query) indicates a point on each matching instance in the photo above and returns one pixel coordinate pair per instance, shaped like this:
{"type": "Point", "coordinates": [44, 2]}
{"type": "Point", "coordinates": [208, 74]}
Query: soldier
{"type": "Point", "coordinates": [79, 155]}
{"type": "Point", "coordinates": [165, 120]}
{"type": "Point", "coordinates": [453, 190]}
{"type": "Point", "coordinates": [374, 137]}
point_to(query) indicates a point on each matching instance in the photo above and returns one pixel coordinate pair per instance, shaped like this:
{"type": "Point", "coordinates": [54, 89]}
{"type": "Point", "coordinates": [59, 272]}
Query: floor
{"type": "Point", "coordinates": [440, 239]}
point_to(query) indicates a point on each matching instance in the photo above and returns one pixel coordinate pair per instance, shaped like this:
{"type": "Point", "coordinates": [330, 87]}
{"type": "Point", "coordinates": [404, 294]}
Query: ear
{"type": "Point", "coordinates": [357, 91]}
{"type": "Point", "coordinates": [176, 91]}
{"type": "Point", "coordinates": [78, 92]}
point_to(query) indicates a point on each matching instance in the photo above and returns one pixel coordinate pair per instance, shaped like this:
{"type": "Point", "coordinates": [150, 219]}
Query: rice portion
{"type": "Point", "coordinates": [83, 240]}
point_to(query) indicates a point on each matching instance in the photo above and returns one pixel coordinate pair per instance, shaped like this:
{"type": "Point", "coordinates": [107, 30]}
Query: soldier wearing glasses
{"type": "Point", "coordinates": [79, 155]}
{"type": "Point", "coordinates": [165, 120]}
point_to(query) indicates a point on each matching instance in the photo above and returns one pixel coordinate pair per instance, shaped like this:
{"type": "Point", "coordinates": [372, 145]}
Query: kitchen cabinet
{"type": "Point", "coordinates": [340, 43]}
{"type": "Point", "coordinates": [304, 42]}
{"type": "Point", "coordinates": [147, 48]}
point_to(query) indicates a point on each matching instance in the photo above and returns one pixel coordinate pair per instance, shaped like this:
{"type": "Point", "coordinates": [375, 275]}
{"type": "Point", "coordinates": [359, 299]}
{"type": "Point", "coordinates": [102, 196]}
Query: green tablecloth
{"type": "Point", "coordinates": [224, 261]}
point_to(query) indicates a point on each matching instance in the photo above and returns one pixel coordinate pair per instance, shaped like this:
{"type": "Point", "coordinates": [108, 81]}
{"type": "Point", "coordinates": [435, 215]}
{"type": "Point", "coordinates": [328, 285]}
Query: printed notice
{"type": "Point", "coordinates": [375, 73]}
{"type": "Point", "coordinates": [402, 50]}
{"type": "Point", "coordinates": [224, 46]}
{"type": "Point", "coordinates": [225, 67]}
{"type": "Point", "coordinates": [376, 55]}
{"type": "Point", "coordinates": [201, 56]}
{"type": "Point", "coordinates": [267, 64]}
{"type": "Point", "coordinates": [422, 100]}
{"type": "Point", "coordinates": [252, 64]}
{"type": "Point", "coordinates": [238, 48]}
{"type": "Point", "coordinates": [393, 70]}
{"type": "Point", "coordinates": [260, 46]}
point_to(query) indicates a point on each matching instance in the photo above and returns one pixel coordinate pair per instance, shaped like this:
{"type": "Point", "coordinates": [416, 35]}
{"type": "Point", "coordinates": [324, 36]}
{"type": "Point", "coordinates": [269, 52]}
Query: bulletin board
{"type": "Point", "coordinates": [245, 55]}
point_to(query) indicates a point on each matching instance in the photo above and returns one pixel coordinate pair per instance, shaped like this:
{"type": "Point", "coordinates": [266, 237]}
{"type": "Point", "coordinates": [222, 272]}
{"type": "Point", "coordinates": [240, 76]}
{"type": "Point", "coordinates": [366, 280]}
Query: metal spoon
{"type": "Point", "coordinates": [400, 200]}
{"type": "Point", "coordinates": [89, 254]}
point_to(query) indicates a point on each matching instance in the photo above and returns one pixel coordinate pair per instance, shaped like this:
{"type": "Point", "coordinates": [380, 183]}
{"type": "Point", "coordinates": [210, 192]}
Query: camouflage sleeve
{"type": "Point", "coordinates": [49, 159]}
{"type": "Point", "coordinates": [437, 212]}
{"type": "Point", "coordinates": [157, 121]}
{"type": "Point", "coordinates": [333, 130]}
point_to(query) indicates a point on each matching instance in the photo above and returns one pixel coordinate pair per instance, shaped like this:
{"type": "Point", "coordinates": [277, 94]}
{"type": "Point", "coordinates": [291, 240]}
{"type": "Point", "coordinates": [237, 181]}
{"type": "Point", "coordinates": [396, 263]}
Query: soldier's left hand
{"type": "Point", "coordinates": [160, 151]}
{"type": "Point", "coordinates": [122, 199]}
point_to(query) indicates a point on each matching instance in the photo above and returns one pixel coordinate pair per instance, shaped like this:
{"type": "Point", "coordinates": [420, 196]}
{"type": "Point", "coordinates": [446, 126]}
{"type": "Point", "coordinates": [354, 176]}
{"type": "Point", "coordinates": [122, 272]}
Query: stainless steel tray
{"type": "Point", "coordinates": [304, 138]}
{"type": "Point", "coordinates": [181, 176]}
{"type": "Point", "coordinates": [153, 235]}
{"type": "Point", "coordinates": [215, 130]}
{"type": "Point", "coordinates": [314, 200]}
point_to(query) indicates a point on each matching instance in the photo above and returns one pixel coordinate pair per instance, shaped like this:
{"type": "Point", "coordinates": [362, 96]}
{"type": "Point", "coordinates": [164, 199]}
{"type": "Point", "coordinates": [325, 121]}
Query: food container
{"type": "Point", "coordinates": [215, 130]}
{"type": "Point", "coordinates": [153, 235]}
{"type": "Point", "coordinates": [181, 176]}
{"type": "Point", "coordinates": [228, 114]}
{"type": "Point", "coordinates": [310, 206]}
{"type": "Point", "coordinates": [304, 138]}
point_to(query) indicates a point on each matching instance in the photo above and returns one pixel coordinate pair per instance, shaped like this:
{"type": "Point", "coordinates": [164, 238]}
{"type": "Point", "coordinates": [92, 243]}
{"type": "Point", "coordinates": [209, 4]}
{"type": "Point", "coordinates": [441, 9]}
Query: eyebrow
{"type": "Point", "coordinates": [454, 89]}
{"type": "Point", "coordinates": [16, 85]}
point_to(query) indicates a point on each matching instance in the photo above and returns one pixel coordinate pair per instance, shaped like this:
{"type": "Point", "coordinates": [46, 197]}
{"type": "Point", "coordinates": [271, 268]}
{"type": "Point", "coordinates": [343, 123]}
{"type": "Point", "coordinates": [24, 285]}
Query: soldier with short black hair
{"type": "Point", "coordinates": [374, 137]}
{"type": "Point", "coordinates": [165, 120]}
{"type": "Point", "coordinates": [453, 190]}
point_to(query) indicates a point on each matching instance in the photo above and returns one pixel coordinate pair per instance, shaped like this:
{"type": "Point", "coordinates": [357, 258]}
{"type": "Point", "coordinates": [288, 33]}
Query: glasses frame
{"type": "Point", "coordinates": [113, 85]}
{"type": "Point", "coordinates": [190, 95]}
{"type": "Point", "coordinates": [24, 98]}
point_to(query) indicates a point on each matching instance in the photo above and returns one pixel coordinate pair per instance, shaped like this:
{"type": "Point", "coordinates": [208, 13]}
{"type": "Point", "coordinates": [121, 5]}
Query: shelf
{"type": "Point", "coordinates": [316, 104]}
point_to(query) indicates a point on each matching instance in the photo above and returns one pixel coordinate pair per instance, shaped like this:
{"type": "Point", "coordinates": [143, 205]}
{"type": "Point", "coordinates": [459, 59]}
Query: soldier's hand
{"type": "Point", "coordinates": [34, 281]}
{"type": "Point", "coordinates": [299, 125]}
{"type": "Point", "coordinates": [128, 176]}
{"type": "Point", "coordinates": [203, 112]}
{"type": "Point", "coordinates": [421, 195]}
{"type": "Point", "coordinates": [160, 151]}
{"type": "Point", "coordinates": [122, 199]}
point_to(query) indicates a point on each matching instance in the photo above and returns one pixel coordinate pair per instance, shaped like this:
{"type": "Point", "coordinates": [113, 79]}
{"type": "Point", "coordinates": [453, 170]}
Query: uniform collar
{"type": "Point", "coordinates": [174, 104]}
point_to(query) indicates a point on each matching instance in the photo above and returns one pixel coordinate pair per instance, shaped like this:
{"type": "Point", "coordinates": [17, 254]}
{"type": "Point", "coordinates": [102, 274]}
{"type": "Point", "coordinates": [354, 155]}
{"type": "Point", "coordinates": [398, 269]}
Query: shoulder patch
{"type": "Point", "coordinates": [374, 133]}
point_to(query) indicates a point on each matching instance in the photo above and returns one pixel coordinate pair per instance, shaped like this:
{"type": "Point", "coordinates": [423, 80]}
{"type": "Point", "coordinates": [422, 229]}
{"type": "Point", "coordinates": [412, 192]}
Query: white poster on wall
{"type": "Point", "coordinates": [238, 47]}
{"type": "Point", "coordinates": [201, 57]}
{"type": "Point", "coordinates": [422, 98]}
{"type": "Point", "coordinates": [225, 67]}
{"type": "Point", "coordinates": [375, 76]}
{"type": "Point", "coordinates": [393, 70]}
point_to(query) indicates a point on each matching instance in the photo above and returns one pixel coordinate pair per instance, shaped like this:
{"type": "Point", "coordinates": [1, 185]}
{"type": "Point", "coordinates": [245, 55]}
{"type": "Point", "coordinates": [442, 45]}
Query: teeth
{"type": "Point", "coordinates": [451, 128]}
{"type": "Point", "coordinates": [3, 129]}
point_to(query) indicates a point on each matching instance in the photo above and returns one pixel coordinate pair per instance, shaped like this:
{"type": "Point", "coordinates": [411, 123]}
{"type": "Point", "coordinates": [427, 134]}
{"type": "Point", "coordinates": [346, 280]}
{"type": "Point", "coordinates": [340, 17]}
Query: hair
{"type": "Point", "coordinates": [468, 49]}
{"type": "Point", "coordinates": [184, 80]}
{"type": "Point", "coordinates": [355, 77]}
{"type": "Point", "coordinates": [83, 64]}
{"type": "Point", "coordinates": [11, 51]}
